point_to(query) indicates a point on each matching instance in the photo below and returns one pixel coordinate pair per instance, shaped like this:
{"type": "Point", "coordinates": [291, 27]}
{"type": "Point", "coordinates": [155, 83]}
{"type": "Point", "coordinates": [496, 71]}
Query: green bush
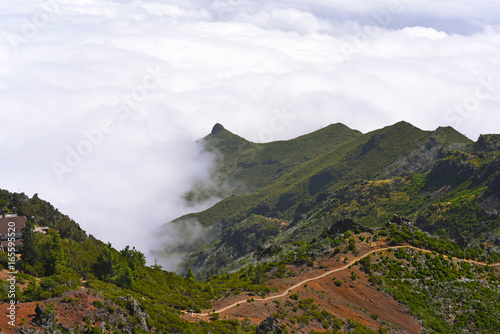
{"type": "Point", "coordinates": [98, 303]}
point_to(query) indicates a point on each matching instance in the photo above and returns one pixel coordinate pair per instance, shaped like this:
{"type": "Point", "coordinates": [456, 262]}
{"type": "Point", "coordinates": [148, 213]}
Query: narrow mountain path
{"type": "Point", "coordinates": [287, 291]}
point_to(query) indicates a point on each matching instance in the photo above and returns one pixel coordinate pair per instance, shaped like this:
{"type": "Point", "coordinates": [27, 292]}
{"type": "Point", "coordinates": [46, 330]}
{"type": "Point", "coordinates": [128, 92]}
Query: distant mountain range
{"type": "Point", "coordinates": [442, 180]}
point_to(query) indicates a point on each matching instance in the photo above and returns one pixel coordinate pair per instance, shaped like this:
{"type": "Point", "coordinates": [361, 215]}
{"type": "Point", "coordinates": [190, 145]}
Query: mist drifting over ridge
{"type": "Point", "coordinates": [102, 101]}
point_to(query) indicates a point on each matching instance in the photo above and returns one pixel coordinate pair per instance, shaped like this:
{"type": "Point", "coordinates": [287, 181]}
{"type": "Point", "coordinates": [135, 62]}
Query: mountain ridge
{"type": "Point", "coordinates": [328, 165]}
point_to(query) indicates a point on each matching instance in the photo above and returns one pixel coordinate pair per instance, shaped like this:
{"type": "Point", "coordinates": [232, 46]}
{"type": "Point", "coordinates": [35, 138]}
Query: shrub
{"type": "Point", "coordinates": [382, 233]}
{"type": "Point", "coordinates": [45, 294]}
{"type": "Point", "coordinates": [98, 303]}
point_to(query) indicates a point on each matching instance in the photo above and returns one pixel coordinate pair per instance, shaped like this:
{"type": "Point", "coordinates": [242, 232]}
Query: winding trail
{"type": "Point", "coordinates": [287, 291]}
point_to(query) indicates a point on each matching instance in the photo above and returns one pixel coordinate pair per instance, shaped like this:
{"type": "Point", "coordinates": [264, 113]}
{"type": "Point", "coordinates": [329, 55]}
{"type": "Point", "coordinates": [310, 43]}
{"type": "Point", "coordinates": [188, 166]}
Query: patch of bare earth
{"type": "Point", "coordinates": [77, 306]}
{"type": "Point", "coordinates": [356, 298]}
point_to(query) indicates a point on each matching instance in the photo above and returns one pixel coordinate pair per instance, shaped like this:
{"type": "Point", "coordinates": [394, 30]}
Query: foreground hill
{"type": "Point", "coordinates": [350, 279]}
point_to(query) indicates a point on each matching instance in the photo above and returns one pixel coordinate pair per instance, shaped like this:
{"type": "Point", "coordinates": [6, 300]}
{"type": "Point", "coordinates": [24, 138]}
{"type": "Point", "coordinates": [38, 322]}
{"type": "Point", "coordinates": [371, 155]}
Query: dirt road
{"type": "Point", "coordinates": [287, 291]}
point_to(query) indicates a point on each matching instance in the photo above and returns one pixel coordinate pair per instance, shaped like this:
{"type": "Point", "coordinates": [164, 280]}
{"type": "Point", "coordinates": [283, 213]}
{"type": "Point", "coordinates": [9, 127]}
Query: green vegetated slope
{"type": "Point", "coordinates": [281, 174]}
{"type": "Point", "coordinates": [128, 296]}
{"type": "Point", "coordinates": [440, 179]}
{"type": "Point", "coordinates": [450, 289]}
{"type": "Point", "coordinates": [243, 167]}
{"type": "Point", "coordinates": [114, 291]}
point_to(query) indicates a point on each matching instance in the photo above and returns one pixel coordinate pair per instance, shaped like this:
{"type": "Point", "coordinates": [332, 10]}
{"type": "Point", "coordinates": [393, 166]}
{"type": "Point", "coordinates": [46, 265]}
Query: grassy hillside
{"type": "Point", "coordinates": [283, 177]}
{"type": "Point", "coordinates": [325, 166]}
{"type": "Point", "coordinates": [244, 167]}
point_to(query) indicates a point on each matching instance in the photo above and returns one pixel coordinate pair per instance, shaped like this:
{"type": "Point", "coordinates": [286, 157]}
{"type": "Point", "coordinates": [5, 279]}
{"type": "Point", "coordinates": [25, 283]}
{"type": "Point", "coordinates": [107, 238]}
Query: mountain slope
{"type": "Point", "coordinates": [332, 164]}
{"type": "Point", "coordinates": [335, 157]}
{"type": "Point", "coordinates": [244, 167]}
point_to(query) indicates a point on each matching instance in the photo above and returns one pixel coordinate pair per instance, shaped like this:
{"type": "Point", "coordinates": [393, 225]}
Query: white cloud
{"type": "Point", "coordinates": [266, 70]}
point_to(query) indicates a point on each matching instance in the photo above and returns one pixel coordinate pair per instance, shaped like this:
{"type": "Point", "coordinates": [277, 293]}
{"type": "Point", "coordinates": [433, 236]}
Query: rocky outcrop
{"type": "Point", "coordinates": [345, 225]}
{"type": "Point", "coordinates": [45, 317]}
{"type": "Point", "coordinates": [488, 143]}
{"type": "Point", "coordinates": [494, 185]}
{"type": "Point", "coordinates": [25, 330]}
{"type": "Point", "coordinates": [271, 250]}
{"type": "Point", "coordinates": [269, 326]}
{"type": "Point", "coordinates": [136, 310]}
{"type": "Point", "coordinates": [452, 171]}
{"type": "Point", "coordinates": [217, 128]}
{"type": "Point", "coordinates": [399, 220]}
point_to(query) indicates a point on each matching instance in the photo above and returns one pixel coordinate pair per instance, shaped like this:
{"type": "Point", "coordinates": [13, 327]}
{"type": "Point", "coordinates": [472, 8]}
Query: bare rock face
{"type": "Point", "coordinates": [135, 309]}
{"type": "Point", "coordinates": [269, 326]}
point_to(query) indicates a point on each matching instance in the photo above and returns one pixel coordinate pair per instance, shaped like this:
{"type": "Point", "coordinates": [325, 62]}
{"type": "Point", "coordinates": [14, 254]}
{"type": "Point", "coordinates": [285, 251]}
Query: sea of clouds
{"type": "Point", "coordinates": [101, 101]}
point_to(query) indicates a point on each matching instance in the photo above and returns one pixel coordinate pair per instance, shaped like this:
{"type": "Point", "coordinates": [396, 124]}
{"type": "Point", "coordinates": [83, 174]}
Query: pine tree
{"type": "Point", "coordinates": [29, 249]}
{"type": "Point", "coordinates": [190, 275]}
{"type": "Point", "coordinates": [259, 275]}
{"type": "Point", "coordinates": [104, 268]}
{"type": "Point", "coordinates": [53, 254]}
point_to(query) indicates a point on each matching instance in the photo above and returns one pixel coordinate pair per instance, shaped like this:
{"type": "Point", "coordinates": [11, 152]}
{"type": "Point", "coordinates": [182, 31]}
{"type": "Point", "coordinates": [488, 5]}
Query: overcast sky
{"type": "Point", "coordinates": [101, 101]}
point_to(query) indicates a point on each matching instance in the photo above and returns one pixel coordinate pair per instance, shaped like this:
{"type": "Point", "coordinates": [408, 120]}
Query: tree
{"type": "Point", "coordinates": [53, 254]}
{"type": "Point", "coordinates": [135, 260]}
{"type": "Point", "coordinates": [104, 268]}
{"type": "Point", "coordinates": [259, 275]}
{"type": "Point", "coordinates": [190, 275]}
{"type": "Point", "coordinates": [125, 276]}
{"type": "Point", "coordinates": [29, 249]}
{"type": "Point", "coordinates": [250, 273]}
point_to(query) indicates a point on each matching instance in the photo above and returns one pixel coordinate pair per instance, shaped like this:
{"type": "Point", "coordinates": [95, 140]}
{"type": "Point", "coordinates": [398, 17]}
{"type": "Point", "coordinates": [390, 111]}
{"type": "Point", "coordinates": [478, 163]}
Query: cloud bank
{"type": "Point", "coordinates": [101, 101]}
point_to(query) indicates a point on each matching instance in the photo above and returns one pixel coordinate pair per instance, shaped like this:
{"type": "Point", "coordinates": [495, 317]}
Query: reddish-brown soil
{"type": "Point", "coordinates": [69, 313]}
{"type": "Point", "coordinates": [355, 299]}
